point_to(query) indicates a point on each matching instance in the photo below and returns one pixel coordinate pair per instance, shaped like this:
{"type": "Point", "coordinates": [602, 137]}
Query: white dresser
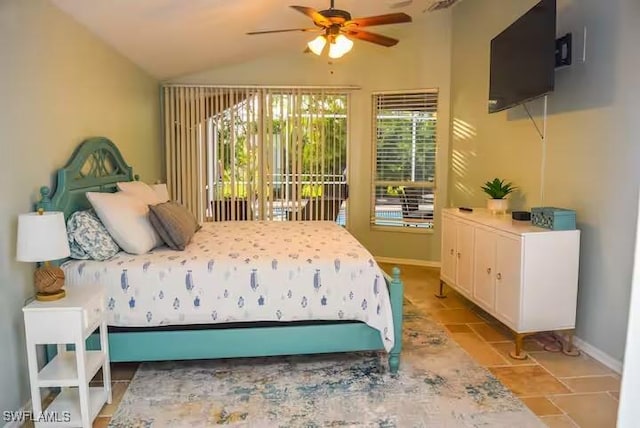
{"type": "Point", "coordinates": [523, 275]}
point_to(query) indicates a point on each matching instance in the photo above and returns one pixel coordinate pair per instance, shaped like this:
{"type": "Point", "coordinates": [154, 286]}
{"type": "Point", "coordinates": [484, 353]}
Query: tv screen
{"type": "Point", "coordinates": [523, 58]}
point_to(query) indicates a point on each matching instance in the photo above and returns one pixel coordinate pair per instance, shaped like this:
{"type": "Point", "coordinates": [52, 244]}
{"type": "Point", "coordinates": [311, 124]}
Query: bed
{"type": "Point", "coordinates": [240, 289]}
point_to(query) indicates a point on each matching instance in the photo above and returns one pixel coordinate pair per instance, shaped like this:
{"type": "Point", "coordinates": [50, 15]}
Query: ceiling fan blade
{"type": "Point", "coordinates": [367, 36]}
{"type": "Point", "coordinates": [317, 17]}
{"type": "Point", "coordinates": [370, 21]}
{"type": "Point", "coordinates": [251, 33]}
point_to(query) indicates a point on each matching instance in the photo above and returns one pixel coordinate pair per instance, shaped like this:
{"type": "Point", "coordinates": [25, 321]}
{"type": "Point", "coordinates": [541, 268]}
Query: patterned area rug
{"type": "Point", "coordinates": [438, 385]}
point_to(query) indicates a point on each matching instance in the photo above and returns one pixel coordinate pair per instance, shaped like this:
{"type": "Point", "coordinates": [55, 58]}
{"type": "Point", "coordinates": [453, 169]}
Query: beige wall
{"type": "Point", "coordinates": [58, 85]}
{"type": "Point", "coordinates": [592, 152]}
{"type": "Point", "coordinates": [420, 60]}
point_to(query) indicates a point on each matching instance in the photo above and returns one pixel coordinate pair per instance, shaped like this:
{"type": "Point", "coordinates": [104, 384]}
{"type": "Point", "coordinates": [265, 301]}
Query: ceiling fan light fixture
{"type": "Point", "coordinates": [340, 46]}
{"type": "Point", "coordinates": [317, 45]}
{"type": "Point", "coordinates": [335, 23]}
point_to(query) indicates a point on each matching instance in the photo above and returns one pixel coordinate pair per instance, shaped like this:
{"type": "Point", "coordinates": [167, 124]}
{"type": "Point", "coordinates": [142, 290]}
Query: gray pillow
{"type": "Point", "coordinates": [88, 238]}
{"type": "Point", "coordinates": [175, 224]}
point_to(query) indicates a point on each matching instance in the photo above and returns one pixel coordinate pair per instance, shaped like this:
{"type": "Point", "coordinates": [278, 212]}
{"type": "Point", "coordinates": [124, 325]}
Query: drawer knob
{"type": "Point", "coordinates": [451, 251]}
{"type": "Point", "coordinates": [499, 275]}
{"type": "Point", "coordinates": [488, 271]}
{"type": "Point", "coordinates": [459, 255]}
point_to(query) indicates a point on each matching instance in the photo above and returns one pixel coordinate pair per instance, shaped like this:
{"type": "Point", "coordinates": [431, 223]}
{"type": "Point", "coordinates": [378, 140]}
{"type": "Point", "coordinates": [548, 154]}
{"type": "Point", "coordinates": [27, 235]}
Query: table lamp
{"type": "Point", "coordinates": [42, 237]}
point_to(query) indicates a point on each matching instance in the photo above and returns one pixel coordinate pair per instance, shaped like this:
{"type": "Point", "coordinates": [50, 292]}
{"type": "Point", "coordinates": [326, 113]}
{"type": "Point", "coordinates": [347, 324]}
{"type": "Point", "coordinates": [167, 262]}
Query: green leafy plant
{"type": "Point", "coordinates": [498, 189]}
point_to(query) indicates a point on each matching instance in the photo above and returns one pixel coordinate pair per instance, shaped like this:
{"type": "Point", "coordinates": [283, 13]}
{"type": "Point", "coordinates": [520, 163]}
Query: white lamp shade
{"type": "Point", "coordinates": [42, 238]}
{"type": "Point", "coordinates": [317, 45]}
{"type": "Point", "coordinates": [340, 46]}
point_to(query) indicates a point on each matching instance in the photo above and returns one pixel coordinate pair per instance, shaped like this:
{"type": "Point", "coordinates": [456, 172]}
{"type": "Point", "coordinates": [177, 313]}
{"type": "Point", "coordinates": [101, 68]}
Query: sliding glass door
{"type": "Point", "coordinates": [268, 153]}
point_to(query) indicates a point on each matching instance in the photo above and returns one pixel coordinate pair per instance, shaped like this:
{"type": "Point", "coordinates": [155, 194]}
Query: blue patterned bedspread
{"type": "Point", "coordinates": [245, 271]}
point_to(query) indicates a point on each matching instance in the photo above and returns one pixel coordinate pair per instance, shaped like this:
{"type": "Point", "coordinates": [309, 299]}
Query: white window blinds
{"type": "Point", "coordinates": [253, 153]}
{"type": "Point", "coordinates": [405, 158]}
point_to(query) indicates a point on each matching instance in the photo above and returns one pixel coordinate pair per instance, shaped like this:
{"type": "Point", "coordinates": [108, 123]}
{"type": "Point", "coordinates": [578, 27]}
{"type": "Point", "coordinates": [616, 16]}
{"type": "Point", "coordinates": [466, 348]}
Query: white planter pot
{"type": "Point", "coordinates": [498, 206]}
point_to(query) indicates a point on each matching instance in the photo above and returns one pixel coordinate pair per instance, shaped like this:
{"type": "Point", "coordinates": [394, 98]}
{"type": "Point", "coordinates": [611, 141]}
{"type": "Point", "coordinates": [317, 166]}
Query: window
{"type": "Point", "coordinates": [258, 153]}
{"type": "Point", "coordinates": [405, 159]}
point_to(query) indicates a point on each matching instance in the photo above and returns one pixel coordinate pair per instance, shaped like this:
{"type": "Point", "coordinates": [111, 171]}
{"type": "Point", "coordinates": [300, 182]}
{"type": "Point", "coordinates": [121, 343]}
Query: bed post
{"type": "Point", "coordinates": [45, 199]}
{"type": "Point", "coordinates": [396, 293]}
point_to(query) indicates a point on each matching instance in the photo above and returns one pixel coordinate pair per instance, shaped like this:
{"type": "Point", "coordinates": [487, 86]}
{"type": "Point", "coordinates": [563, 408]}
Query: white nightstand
{"type": "Point", "coordinates": [68, 321]}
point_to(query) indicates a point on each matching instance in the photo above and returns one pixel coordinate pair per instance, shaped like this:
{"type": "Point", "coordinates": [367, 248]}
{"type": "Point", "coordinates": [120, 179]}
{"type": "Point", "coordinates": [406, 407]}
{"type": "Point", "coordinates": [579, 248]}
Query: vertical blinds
{"type": "Point", "coordinates": [405, 158]}
{"type": "Point", "coordinates": [256, 153]}
{"type": "Point", "coordinates": [185, 112]}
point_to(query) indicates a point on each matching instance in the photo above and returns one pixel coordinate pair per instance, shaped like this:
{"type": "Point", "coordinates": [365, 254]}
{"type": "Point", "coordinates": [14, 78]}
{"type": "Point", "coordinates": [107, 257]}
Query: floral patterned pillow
{"type": "Point", "coordinates": [88, 238]}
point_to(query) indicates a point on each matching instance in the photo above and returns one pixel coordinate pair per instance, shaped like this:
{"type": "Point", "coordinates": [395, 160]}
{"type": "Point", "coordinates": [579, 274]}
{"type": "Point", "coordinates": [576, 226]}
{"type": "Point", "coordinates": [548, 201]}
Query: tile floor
{"type": "Point", "coordinates": [563, 391]}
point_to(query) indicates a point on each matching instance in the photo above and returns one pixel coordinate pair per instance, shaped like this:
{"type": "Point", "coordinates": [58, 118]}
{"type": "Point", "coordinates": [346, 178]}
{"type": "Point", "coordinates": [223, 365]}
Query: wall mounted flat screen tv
{"type": "Point", "coordinates": [523, 58]}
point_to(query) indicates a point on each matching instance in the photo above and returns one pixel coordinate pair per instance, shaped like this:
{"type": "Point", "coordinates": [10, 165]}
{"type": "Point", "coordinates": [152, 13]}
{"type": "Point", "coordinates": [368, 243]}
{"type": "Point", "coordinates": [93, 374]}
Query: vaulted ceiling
{"type": "Point", "coordinates": [170, 38]}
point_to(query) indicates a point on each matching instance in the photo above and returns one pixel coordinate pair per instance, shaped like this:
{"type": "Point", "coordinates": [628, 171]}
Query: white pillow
{"type": "Point", "coordinates": [127, 220]}
{"type": "Point", "coordinates": [161, 191]}
{"type": "Point", "coordinates": [141, 191]}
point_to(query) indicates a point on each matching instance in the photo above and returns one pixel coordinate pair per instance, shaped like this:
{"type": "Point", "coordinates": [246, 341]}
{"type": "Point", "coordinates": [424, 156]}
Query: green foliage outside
{"type": "Point", "coordinates": [307, 190]}
{"type": "Point", "coordinates": [319, 155]}
{"type": "Point", "coordinates": [397, 133]}
{"type": "Point", "coordinates": [326, 155]}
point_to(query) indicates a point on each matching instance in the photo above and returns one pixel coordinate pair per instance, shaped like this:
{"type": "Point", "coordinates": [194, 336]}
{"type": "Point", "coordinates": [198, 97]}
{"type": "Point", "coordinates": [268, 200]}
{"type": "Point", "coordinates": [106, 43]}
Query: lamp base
{"type": "Point", "coordinates": [49, 281]}
{"type": "Point", "coordinates": [49, 297]}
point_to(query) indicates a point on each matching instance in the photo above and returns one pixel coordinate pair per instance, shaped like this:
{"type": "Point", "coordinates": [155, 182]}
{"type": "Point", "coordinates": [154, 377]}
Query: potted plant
{"type": "Point", "coordinates": [497, 191]}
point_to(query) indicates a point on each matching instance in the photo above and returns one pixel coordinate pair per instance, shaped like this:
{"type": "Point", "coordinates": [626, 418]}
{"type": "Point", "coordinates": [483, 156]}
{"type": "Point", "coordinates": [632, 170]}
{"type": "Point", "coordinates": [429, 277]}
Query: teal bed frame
{"type": "Point", "coordinates": [96, 166]}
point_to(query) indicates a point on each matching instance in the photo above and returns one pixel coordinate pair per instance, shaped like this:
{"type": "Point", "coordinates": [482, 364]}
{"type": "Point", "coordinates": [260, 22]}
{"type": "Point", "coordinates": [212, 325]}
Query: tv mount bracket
{"type": "Point", "coordinates": [563, 50]}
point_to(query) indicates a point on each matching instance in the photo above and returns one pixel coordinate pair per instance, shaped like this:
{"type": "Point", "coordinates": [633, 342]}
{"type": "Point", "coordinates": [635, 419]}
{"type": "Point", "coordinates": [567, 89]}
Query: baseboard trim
{"type": "Point", "coordinates": [599, 355]}
{"type": "Point", "coordinates": [24, 409]}
{"type": "Point", "coordinates": [410, 262]}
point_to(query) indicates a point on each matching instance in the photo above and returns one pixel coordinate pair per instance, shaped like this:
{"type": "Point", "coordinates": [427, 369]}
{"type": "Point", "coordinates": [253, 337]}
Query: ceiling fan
{"type": "Point", "coordinates": [338, 28]}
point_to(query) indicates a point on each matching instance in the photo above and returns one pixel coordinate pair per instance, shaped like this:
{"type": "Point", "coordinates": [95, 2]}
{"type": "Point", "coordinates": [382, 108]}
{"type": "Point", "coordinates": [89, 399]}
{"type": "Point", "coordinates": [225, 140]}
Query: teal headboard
{"type": "Point", "coordinates": [95, 166]}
